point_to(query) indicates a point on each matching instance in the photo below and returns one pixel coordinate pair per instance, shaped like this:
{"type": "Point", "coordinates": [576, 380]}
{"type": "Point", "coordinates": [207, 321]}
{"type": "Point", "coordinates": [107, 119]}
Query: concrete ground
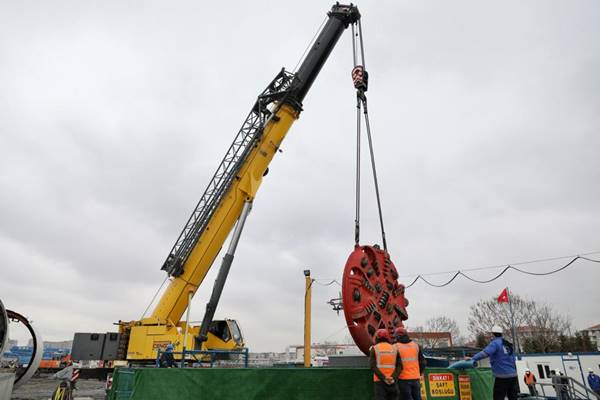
{"type": "Point", "coordinates": [41, 388]}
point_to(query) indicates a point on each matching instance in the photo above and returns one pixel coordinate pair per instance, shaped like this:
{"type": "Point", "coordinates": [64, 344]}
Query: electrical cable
{"type": "Point", "coordinates": [506, 268]}
{"type": "Point", "coordinates": [327, 284]}
{"type": "Point", "coordinates": [502, 265]}
{"type": "Point", "coordinates": [334, 333]}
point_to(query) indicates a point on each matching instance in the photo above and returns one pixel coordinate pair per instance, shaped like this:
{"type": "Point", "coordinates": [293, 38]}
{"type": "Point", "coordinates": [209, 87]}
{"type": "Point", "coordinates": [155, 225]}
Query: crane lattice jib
{"type": "Point", "coordinates": [248, 135]}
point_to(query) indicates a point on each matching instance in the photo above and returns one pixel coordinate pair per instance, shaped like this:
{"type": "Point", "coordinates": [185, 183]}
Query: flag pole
{"type": "Point", "coordinates": [512, 321]}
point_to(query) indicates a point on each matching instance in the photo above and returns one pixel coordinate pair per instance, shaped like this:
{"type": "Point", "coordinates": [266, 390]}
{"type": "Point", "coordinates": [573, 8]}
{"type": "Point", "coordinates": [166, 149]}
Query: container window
{"type": "Point", "coordinates": [540, 368]}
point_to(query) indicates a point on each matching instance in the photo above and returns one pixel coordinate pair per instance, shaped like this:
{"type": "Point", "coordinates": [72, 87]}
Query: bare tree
{"type": "Point", "coordinates": [437, 325]}
{"type": "Point", "coordinates": [425, 342]}
{"type": "Point", "coordinates": [539, 327]}
{"type": "Point", "coordinates": [546, 329]}
{"type": "Point", "coordinates": [444, 324]}
{"type": "Point", "coordinates": [486, 313]}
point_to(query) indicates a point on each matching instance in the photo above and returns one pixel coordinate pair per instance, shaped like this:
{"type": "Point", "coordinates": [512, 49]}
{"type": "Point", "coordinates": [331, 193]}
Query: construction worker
{"type": "Point", "coordinates": [556, 383]}
{"type": "Point", "coordinates": [166, 358]}
{"type": "Point", "coordinates": [502, 359]}
{"type": "Point", "coordinates": [594, 381]}
{"type": "Point", "coordinates": [384, 363]}
{"type": "Point", "coordinates": [561, 385]}
{"type": "Point", "coordinates": [530, 381]}
{"type": "Point", "coordinates": [412, 364]}
{"type": "Point", "coordinates": [64, 391]}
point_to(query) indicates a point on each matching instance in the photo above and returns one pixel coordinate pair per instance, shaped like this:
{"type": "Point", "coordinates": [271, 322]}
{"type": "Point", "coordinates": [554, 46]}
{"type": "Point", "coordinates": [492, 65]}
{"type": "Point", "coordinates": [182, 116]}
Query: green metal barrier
{"type": "Point", "coordinates": [286, 384]}
{"type": "Point", "coordinates": [122, 384]}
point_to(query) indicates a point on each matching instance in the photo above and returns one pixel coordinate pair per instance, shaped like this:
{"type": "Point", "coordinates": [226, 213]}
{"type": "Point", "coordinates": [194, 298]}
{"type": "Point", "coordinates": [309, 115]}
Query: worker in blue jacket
{"type": "Point", "coordinates": [594, 381]}
{"type": "Point", "coordinates": [504, 368]}
{"type": "Point", "coordinates": [166, 358]}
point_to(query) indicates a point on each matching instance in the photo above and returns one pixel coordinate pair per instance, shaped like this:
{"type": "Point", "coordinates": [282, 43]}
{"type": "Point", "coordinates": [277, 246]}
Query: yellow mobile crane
{"type": "Point", "coordinates": [227, 201]}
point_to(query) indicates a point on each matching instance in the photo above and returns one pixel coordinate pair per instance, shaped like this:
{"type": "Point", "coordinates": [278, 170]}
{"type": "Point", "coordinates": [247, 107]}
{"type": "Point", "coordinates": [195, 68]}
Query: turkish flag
{"type": "Point", "coordinates": [503, 298]}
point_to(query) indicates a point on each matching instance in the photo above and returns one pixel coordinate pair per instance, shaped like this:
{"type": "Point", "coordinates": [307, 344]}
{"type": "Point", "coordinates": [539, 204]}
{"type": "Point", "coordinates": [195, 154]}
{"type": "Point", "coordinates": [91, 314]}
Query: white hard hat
{"type": "Point", "coordinates": [590, 370]}
{"type": "Point", "coordinates": [527, 370]}
{"type": "Point", "coordinates": [496, 329]}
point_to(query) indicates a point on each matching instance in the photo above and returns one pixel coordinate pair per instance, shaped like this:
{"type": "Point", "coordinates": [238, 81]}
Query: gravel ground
{"type": "Point", "coordinates": [41, 388]}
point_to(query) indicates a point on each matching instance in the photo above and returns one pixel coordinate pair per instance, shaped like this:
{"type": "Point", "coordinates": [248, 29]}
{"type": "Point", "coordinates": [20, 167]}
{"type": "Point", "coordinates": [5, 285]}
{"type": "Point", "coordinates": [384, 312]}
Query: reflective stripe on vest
{"type": "Point", "coordinates": [385, 356]}
{"type": "Point", "coordinates": [409, 354]}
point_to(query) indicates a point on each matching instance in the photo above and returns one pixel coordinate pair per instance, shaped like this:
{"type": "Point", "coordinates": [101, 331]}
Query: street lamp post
{"type": "Point", "coordinates": [307, 295]}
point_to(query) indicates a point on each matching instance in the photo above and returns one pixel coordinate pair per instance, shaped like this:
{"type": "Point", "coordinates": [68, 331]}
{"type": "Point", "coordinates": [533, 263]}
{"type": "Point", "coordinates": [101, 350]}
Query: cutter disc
{"type": "Point", "coordinates": [371, 295]}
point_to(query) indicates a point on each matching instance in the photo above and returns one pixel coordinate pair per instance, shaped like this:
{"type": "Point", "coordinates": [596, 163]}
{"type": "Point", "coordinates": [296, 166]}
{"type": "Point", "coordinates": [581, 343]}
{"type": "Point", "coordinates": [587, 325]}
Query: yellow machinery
{"type": "Point", "coordinates": [225, 203]}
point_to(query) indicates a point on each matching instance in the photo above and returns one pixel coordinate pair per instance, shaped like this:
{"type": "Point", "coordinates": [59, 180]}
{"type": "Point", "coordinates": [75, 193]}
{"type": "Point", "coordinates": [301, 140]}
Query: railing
{"type": "Point", "coordinates": [203, 356]}
{"type": "Point", "coordinates": [568, 389]}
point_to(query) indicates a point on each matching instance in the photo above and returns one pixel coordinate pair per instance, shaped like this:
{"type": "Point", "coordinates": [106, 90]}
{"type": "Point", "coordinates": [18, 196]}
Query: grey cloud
{"type": "Point", "coordinates": [114, 117]}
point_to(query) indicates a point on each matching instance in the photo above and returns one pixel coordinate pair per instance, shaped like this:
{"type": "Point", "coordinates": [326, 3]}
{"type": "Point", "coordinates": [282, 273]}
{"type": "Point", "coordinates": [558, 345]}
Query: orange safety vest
{"type": "Point", "coordinates": [385, 355]}
{"type": "Point", "coordinates": [409, 354]}
{"type": "Point", "coordinates": [529, 379]}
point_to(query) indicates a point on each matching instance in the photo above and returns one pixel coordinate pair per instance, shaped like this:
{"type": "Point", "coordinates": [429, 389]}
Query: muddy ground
{"type": "Point", "coordinates": [41, 388]}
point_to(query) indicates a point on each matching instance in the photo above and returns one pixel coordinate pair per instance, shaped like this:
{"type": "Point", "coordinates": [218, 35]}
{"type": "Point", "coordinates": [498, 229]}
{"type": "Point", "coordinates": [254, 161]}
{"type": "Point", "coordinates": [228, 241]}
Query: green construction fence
{"type": "Point", "coordinates": [286, 384]}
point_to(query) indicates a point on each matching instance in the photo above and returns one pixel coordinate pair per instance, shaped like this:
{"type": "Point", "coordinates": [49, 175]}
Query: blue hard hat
{"type": "Point", "coordinates": [169, 347]}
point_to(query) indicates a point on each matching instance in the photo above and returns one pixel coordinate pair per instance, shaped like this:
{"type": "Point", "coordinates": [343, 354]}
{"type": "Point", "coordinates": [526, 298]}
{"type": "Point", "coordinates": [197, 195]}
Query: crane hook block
{"type": "Point", "coordinates": [360, 78]}
{"type": "Point", "coordinates": [372, 298]}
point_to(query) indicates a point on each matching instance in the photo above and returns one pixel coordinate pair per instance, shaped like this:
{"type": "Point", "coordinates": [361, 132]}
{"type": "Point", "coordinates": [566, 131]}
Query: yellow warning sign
{"type": "Point", "coordinates": [423, 391]}
{"type": "Point", "coordinates": [441, 385]}
{"type": "Point", "coordinates": [464, 386]}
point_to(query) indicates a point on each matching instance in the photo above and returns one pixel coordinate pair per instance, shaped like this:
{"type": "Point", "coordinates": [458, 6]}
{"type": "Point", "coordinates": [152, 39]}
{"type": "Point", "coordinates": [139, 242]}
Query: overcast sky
{"type": "Point", "coordinates": [114, 116]}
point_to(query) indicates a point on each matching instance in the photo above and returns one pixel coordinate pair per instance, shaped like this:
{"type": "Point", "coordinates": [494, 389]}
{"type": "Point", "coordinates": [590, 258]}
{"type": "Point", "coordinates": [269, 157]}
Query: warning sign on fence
{"type": "Point", "coordinates": [464, 385]}
{"type": "Point", "coordinates": [441, 385]}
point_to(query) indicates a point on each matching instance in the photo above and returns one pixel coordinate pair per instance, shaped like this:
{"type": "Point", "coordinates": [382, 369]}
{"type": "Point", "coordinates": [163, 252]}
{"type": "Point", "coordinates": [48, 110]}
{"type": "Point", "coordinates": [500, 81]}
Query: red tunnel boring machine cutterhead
{"type": "Point", "coordinates": [371, 295]}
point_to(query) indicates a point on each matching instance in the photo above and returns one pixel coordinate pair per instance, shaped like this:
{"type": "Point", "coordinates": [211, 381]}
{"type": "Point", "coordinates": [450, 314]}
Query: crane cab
{"type": "Point", "coordinates": [225, 334]}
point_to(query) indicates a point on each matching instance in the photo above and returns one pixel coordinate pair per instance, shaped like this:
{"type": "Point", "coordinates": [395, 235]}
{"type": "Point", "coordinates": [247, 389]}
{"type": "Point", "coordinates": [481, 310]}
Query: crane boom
{"type": "Point", "coordinates": [234, 184]}
{"type": "Point", "coordinates": [240, 174]}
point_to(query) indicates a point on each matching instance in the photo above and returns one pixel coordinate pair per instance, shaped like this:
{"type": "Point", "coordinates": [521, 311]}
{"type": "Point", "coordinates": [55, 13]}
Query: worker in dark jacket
{"type": "Point", "coordinates": [385, 365]}
{"type": "Point", "coordinates": [593, 381]}
{"type": "Point", "coordinates": [166, 359]}
{"type": "Point", "coordinates": [412, 364]}
{"type": "Point", "coordinates": [504, 368]}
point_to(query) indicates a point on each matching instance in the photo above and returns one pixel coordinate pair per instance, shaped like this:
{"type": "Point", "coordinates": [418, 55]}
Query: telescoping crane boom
{"type": "Point", "coordinates": [227, 201]}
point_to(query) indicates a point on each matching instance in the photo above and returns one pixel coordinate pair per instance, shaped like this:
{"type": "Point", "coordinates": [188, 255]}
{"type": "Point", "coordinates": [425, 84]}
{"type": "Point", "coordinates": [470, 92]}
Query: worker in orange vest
{"type": "Point", "coordinates": [384, 362]}
{"type": "Point", "coordinates": [530, 381]}
{"type": "Point", "coordinates": [412, 364]}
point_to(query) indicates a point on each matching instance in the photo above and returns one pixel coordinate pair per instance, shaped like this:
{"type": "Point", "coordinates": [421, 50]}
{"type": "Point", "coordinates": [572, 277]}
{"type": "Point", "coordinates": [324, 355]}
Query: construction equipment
{"type": "Point", "coordinates": [6, 317]}
{"type": "Point", "coordinates": [371, 295]}
{"type": "Point", "coordinates": [372, 298]}
{"type": "Point", "coordinates": [226, 203]}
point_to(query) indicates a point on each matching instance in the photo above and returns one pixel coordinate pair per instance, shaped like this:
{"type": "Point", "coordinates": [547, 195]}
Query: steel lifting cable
{"type": "Point", "coordinates": [360, 78]}
{"type": "Point", "coordinates": [357, 192]}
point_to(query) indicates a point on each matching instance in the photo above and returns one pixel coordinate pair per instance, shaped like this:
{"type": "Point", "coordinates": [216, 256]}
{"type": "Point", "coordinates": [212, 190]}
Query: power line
{"type": "Point", "coordinates": [504, 265]}
{"type": "Point", "coordinates": [506, 268]}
